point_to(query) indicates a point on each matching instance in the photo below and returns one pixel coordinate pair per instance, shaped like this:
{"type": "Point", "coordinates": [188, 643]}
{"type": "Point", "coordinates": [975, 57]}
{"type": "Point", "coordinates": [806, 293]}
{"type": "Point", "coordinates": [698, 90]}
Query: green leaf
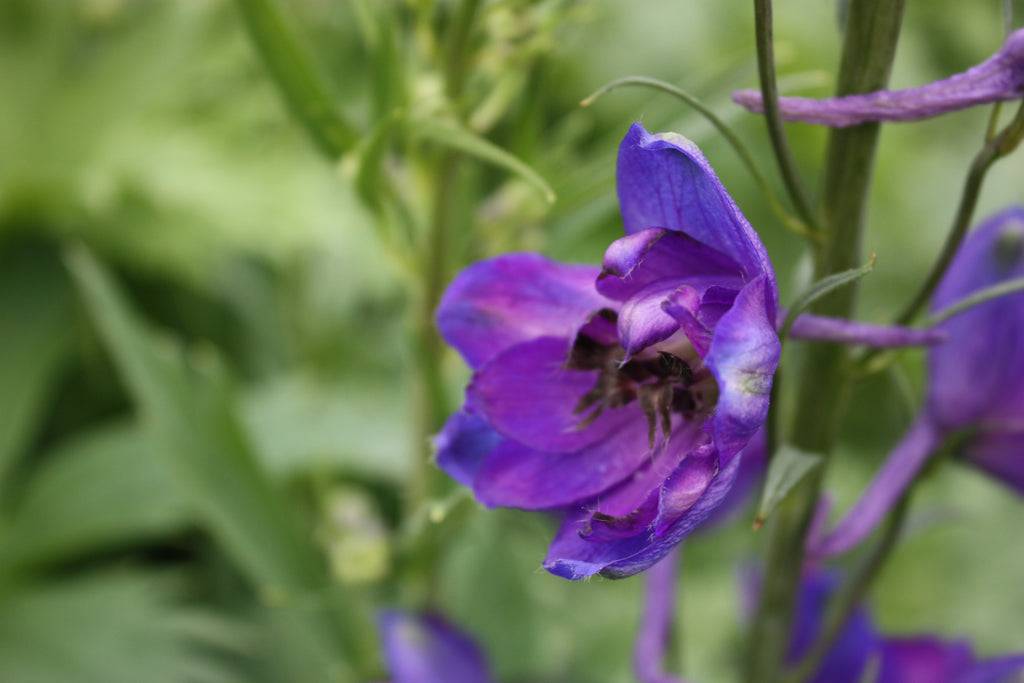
{"type": "Point", "coordinates": [98, 490]}
{"type": "Point", "coordinates": [449, 134]}
{"type": "Point", "coordinates": [35, 316]}
{"type": "Point", "coordinates": [820, 289]}
{"type": "Point", "coordinates": [190, 418]}
{"type": "Point", "coordinates": [113, 627]}
{"type": "Point", "coordinates": [788, 467]}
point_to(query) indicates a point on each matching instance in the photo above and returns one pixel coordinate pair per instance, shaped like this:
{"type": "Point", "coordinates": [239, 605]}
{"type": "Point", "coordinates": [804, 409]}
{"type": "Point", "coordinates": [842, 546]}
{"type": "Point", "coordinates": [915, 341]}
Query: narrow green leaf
{"type": "Point", "coordinates": [190, 418]}
{"type": "Point", "coordinates": [35, 317]}
{"type": "Point", "coordinates": [976, 298]}
{"type": "Point", "coordinates": [820, 289]}
{"type": "Point", "coordinates": [98, 490]}
{"type": "Point", "coordinates": [449, 134]}
{"type": "Point", "coordinates": [788, 467]}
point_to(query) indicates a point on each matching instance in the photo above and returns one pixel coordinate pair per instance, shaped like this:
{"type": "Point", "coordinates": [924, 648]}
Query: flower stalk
{"type": "Point", "coordinates": [872, 29]}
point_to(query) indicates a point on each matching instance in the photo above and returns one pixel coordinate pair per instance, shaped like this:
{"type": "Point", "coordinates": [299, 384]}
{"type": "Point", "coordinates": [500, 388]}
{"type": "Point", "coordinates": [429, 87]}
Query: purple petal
{"type": "Point", "coordinates": [698, 315]}
{"type": "Point", "coordinates": [924, 659]}
{"type": "Point", "coordinates": [655, 630]}
{"type": "Point", "coordinates": [465, 440]}
{"type": "Point", "coordinates": [573, 557]}
{"type": "Point", "coordinates": [426, 649]}
{"type": "Point", "coordinates": [636, 260]}
{"type": "Point", "coordinates": [643, 320]}
{"type": "Point", "coordinates": [526, 394]}
{"type": "Point", "coordinates": [888, 485]}
{"type": "Point", "coordinates": [975, 375]}
{"type": "Point", "coordinates": [753, 465]}
{"type": "Point", "coordinates": [743, 356]}
{"type": "Point", "coordinates": [822, 328]}
{"type": "Point", "coordinates": [515, 476]}
{"type": "Point", "coordinates": [998, 78]}
{"type": "Point", "coordinates": [501, 302]}
{"type": "Point", "coordinates": [853, 648]}
{"type": "Point", "coordinates": [999, 454]}
{"type": "Point", "coordinates": [664, 181]}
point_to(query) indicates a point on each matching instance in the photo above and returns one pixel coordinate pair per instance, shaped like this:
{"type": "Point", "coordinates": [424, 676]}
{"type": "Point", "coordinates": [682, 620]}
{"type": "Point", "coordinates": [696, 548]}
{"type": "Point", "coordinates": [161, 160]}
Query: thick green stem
{"type": "Point", "coordinates": [872, 29]}
{"type": "Point", "coordinates": [298, 77]}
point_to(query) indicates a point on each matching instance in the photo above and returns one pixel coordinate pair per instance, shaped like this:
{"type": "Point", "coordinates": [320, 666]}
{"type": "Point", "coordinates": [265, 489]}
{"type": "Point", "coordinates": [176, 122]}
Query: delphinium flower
{"type": "Point", "coordinates": [427, 649]}
{"type": "Point", "coordinates": [618, 396]}
{"type": "Point", "coordinates": [998, 78]}
{"type": "Point", "coordinates": [975, 395]}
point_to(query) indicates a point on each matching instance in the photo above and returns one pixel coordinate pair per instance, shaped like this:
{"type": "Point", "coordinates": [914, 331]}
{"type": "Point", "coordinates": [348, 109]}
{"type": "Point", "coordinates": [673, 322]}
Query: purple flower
{"type": "Point", "coordinates": [998, 78]}
{"type": "Point", "coordinates": [919, 659]}
{"type": "Point", "coordinates": [620, 396]}
{"type": "Point", "coordinates": [427, 649]}
{"type": "Point", "coordinates": [975, 384]}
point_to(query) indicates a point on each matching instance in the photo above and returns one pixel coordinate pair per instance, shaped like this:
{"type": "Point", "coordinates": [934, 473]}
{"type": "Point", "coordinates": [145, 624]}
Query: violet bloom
{"type": "Point", "coordinates": [620, 396]}
{"type": "Point", "coordinates": [998, 78]}
{"type": "Point", "coordinates": [860, 648]}
{"type": "Point", "coordinates": [427, 649]}
{"type": "Point", "coordinates": [975, 382]}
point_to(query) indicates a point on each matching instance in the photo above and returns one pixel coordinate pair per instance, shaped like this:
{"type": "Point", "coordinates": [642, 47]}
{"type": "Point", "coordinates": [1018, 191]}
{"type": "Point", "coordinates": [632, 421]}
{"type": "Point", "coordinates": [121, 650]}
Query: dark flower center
{"type": "Point", "coordinates": [664, 384]}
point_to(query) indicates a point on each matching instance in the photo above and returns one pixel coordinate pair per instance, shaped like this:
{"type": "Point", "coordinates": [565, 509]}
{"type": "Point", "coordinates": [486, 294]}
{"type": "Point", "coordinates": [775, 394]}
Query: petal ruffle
{"type": "Point", "coordinates": [664, 181]}
{"type": "Point", "coordinates": [527, 394]}
{"type": "Point", "coordinates": [573, 557]}
{"type": "Point", "coordinates": [503, 301]}
{"type": "Point", "coordinates": [743, 356]}
{"type": "Point", "coordinates": [635, 261]}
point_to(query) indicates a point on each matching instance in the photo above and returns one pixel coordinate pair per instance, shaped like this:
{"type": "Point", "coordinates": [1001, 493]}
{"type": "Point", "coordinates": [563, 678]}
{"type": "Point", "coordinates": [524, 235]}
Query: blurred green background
{"type": "Point", "coordinates": [207, 421]}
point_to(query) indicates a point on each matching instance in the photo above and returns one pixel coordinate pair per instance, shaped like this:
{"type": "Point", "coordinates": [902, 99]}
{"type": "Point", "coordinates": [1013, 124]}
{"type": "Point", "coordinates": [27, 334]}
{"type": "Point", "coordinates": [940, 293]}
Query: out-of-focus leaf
{"type": "Point", "coordinates": [102, 489]}
{"type": "Point", "coordinates": [450, 135]}
{"type": "Point", "coordinates": [35, 317]}
{"type": "Point", "coordinates": [298, 424]}
{"type": "Point", "coordinates": [116, 627]}
{"type": "Point", "coordinates": [190, 420]}
{"type": "Point", "coordinates": [788, 466]}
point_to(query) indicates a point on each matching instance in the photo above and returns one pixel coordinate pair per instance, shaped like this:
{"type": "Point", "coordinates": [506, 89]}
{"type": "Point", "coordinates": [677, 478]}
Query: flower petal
{"type": "Point", "coordinates": [527, 394]}
{"type": "Point", "coordinates": [636, 260]}
{"type": "Point", "coordinates": [503, 301]}
{"type": "Point", "coordinates": [643, 320]}
{"type": "Point", "coordinates": [1001, 455]}
{"type": "Point", "coordinates": [572, 556]}
{"type": "Point", "coordinates": [998, 78]}
{"type": "Point", "coordinates": [465, 440]}
{"type": "Point", "coordinates": [664, 181]}
{"type": "Point", "coordinates": [427, 649]}
{"type": "Point", "coordinates": [743, 356]}
{"type": "Point", "coordinates": [976, 374]}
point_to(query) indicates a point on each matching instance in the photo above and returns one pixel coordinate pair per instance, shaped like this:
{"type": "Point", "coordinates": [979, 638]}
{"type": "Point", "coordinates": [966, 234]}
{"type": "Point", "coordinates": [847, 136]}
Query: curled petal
{"type": "Point", "coordinates": [573, 557]}
{"type": "Point", "coordinates": [664, 181]}
{"type": "Point", "coordinates": [643, 320]}
{"type": "Point", "coordinates": [427, 649]}
{"type": "Point", "coordinates": [743, 356]}
{"type": "Point", "coordinates": [503, 301]}
{"type": "Point", "coordinates": [636, 260]}
{"type": "Point", "coordinates": [998, 78]}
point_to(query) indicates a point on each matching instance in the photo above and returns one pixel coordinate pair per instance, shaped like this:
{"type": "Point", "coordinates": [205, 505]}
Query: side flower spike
{"type": "Point", "coordinates": [427, 649]}
{"type": "Point", "coordinates": [860, 648]}
{"type": "Point", "coordinates": [975, 382]}
{"type": "Point", "coordinates": [998, 78]}
{"type": "Point", "coordinates": [621, 396]}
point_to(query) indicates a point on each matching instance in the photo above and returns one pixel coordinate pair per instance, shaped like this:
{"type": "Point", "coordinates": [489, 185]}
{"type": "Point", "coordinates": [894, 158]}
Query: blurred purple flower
{"type": "Point", "coordinates": [975, 397]}
{"type": "Point", "coordinates": [427, 649]}
{"type": "Point", "coordinates": [619, 396]}
{"type": "Point", "coordinates": [919, 659]}
{"type": "Point", "coordinates": [998, 78]}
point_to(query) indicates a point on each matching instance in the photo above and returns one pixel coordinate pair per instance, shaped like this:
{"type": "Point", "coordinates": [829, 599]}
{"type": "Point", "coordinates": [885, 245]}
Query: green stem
{"type": "Point", "coordinates": [872, 29]}
{"type": "Point", "coordinates": [772, 117]}
{"type": "Point", "coordinates": [297, 75]}
{"type": "Point", "coordinates": [997, 147]}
